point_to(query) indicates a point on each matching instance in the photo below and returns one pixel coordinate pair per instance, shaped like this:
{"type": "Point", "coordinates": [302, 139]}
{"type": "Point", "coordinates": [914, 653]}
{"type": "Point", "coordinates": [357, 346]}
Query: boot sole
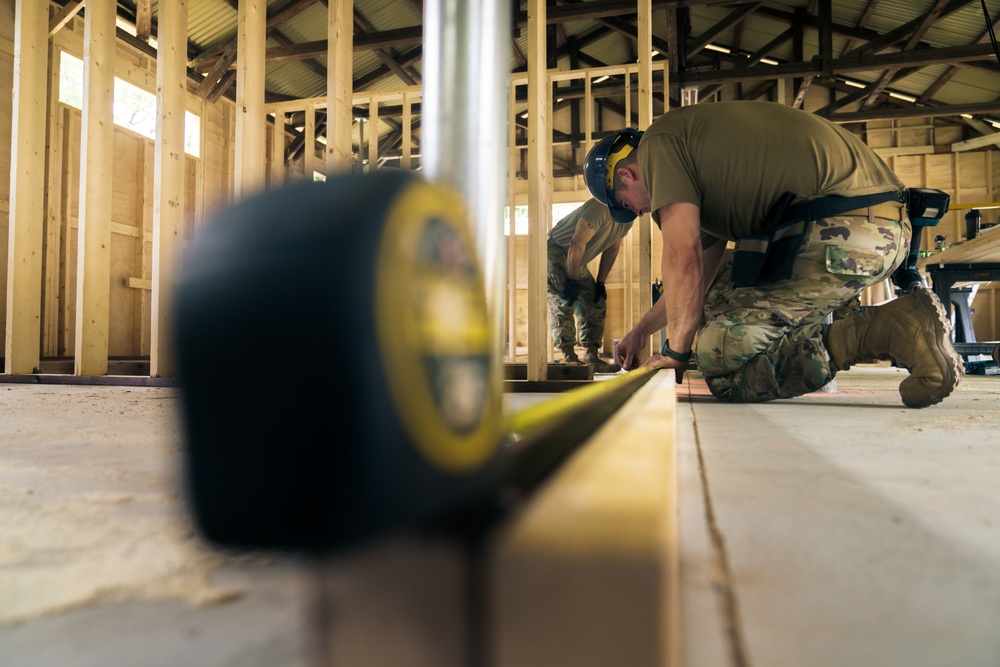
{"type": "Point", "coordinates": [948, 359]}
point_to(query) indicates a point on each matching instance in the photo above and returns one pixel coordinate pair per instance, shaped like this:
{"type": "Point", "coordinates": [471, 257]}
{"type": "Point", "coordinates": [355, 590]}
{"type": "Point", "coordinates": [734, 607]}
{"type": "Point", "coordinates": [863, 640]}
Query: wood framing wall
{"type": "Point", "coordinates": [208, 183]}
{"type": "Point", "coordinates": [919, 150]}
{"type": "Point", "coordinates": [6, 116]}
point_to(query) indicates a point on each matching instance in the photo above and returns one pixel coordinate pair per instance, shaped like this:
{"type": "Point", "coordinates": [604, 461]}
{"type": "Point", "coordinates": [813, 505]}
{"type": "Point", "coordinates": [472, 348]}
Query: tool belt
{"type": "Point", "coordinates": [769, 257]}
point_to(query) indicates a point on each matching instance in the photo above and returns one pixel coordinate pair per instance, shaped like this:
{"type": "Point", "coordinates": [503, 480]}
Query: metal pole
{"type": "Point", "coordinates": [464, 123]}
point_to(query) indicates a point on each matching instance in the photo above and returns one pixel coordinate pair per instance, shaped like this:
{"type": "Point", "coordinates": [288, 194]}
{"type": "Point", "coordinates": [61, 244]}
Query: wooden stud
{"type": "Point", "coordinates": [53, 214]}
{"type": "Point", "coordinates": [310, 163]}
{"type": "Point", "coordinates": [201, 170]}
{"type": "Point", "coordinates": [539, 191]}
{"type": "Point", "coordinates": [250, 97]}
{"type": "Point", "coordinates": [645, 104]}
{"type": "Point", "coordinates": [144, 188]}
{"type": "Point", "coordinates": [143, 20]}
{"type": "Point", "coordinates": [512, 156]}
{"type": "Point", "coordinates": [339, 85]}
{"type": "Point", "coordinates": [67, 325]}
{"type": "Point", "coordinates": [96, 173]}
{"type": "Point", "coordinates": [168, 181]}
{"type": "Point", "coordinates": [27, 188]}
{"type": "Point", "coordinates": [278, 150]}
{"type": "Point", "coordinates": [373, 135]}
{"type": "Point", "coordinates": [407, 163]}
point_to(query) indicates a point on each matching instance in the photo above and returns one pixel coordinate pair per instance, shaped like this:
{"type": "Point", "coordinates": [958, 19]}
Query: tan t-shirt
{"type": "Point", "coordinates": [607, 232]}
{"type": "Point", "coordinates": [735, 159]}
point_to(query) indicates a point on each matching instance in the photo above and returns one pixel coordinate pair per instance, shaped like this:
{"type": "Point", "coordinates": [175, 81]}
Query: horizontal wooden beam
{"type": "Point", "coordinates": [916, 58]}
{"type": "Point", "coordinates": [318, 49]}
{"type": "Point", "coordinates": [917, 112]}
{"type": "Point", "coordinates": [977, 142]}
{"type": "Point", "coordinates": [895, 151]}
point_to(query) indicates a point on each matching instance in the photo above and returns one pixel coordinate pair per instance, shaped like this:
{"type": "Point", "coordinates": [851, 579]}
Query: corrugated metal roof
{"type": "Point", "coordinates": [212, 23]}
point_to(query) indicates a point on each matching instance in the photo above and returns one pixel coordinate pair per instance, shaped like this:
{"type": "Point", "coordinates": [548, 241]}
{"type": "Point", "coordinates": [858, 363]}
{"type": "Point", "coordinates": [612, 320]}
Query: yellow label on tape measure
{"type": "Point", "coordinates": [434, 330]}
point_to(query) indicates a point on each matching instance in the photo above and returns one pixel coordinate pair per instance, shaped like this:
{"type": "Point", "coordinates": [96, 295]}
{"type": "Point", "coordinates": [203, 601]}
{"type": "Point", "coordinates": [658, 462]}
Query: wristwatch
{"type": "Point", "coordinates": [671, 354]}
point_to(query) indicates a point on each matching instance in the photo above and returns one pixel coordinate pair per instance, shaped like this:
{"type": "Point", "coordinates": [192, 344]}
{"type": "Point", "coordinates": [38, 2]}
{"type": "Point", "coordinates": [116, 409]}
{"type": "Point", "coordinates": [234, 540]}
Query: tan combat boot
{"type": "Point", "coordinates": [913, 331]}
{"type": "Point", "coordinates": [569, 355]}
{"type": "Point", "coordinates": [600, 366]}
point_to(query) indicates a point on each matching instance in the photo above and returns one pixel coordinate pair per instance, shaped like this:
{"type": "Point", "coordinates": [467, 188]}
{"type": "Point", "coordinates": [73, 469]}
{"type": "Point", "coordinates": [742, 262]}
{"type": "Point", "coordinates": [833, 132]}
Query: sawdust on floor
{"type": "Point", "coordinates": [91, 507]}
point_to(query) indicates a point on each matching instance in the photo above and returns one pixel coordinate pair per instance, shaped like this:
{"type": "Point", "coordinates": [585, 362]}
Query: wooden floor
{"type": "Point", "coordinates": [838, 528]}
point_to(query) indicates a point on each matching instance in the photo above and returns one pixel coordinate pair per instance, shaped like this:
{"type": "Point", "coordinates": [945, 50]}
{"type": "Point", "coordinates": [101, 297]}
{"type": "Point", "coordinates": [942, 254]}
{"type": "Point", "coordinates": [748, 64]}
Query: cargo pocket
{"type": "Point", "coordinates": [848, 261]}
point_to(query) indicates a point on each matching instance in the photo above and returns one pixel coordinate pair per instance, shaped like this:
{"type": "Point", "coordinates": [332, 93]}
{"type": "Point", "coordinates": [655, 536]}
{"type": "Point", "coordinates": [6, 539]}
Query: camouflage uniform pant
{"type": "Point", "coordinates": [766, 342]}
{"type": "Point", "coordinates": [587, 308]}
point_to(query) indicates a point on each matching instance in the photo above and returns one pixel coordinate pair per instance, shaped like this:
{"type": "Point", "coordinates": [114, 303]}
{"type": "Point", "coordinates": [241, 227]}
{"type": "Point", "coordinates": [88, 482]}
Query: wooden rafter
{"type": "Point", "coordinates": [861, 23]}
{"type": "Point", "coordinates": [900, 33]}
{"type": "Point", "coordinates": [318, 48]}
{"type": "Point", "coordinates": [916, 57]}
{"type": "Point", "coordinates": [754, 59]}
{"type": "Point", "coordinates": [386, 55]}
{"type": "Point", "coordinates": [143, 19]}
{"type": "Point", "coordinates": [216, 67]}
{"type": "Point", "coordinates": [734, 17]}
{"type": "Point", "coordinates": [64, 16]}
{"type": "Point", "coordinates": [889, 75]}
{"type": "Point", "coordinates": [869, 92]}
{"type": "Point", "coordinates": [951, 71]}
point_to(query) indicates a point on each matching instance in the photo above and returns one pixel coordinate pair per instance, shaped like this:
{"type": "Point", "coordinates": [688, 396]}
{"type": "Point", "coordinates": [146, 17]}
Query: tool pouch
{"type": "Point", "coordinates": [765, 258]}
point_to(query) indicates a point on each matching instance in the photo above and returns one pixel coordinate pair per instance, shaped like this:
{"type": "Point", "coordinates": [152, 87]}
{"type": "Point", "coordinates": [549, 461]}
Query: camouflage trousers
{"type": "Point", "coordinates": [767, 341]}
{"type": "Point", "coordinates": [563, 317]}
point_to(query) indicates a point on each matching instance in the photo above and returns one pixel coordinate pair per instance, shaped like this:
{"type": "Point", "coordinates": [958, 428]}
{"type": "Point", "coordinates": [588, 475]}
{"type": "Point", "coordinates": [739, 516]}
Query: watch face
{"type": "Point", "coordinates": [434, 329]}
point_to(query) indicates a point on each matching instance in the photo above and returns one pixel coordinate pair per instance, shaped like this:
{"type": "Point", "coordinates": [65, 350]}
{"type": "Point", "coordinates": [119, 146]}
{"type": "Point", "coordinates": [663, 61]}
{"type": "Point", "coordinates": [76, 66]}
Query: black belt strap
{"type": "Point", "coordinates": [832, 205]}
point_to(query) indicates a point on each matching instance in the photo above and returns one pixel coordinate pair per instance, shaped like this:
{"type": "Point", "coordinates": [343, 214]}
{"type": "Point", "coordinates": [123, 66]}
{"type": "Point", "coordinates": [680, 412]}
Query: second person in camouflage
{"type": "Point", "coordinates": [573, 293]}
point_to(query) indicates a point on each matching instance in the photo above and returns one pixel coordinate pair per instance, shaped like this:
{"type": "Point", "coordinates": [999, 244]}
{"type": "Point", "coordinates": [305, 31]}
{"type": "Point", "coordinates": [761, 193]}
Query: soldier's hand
{"type": "Point", "coordinates": [629, 352]}
{"type": "Point", "coordinates": [660, 361]}
{"type": "Point", "coordinates": [570, 291]}
{"type": "Point", "coordinates": [602, 292]}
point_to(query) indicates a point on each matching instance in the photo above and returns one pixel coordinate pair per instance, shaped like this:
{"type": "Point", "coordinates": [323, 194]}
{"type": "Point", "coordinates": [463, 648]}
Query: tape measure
{"type": "Point", "coordinates": [334, 350]}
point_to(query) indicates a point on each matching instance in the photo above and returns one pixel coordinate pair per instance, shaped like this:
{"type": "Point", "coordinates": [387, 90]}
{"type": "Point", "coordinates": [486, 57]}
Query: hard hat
{"type": "Point", "coordinates": [599, 169]}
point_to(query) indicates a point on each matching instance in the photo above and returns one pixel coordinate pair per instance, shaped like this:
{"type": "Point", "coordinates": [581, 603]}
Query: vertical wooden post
{"type": "Point", "coordinates": [143, 318]}
{"type": "Point", "coordinates": [512, 160]}
{"type": "Point", "coordinates": [645, 108]}
{"type": "Point", "coordinates": [168, 181]}
{"type": "Point", "coordinates": [339, 84]}
{"type": "Point", "coordinates": [54, 215]}
{"type": "Point", "coordinates": [539, 192]}
{"type": "Point", "coordinates": [373, 135]}
{"type": "Point", "coordinates": [69, 231]}
{"type": "Point", "coordinates": [278, 150]}
{"type": "Point", "coordinates": [630, 243]}
{"type": "Point", "coordinates": [250, 140]}
{"type": "Point", "coordinates": [199, 188]}
{"type": "Point", "coordinates": [407, 163]}
{"type": "Point", "coordinates": [309, 161]}
{"type": "Point", "coordinates": [96, 168]}
{"type": "Point", "coordinates": [781, 91]}
{"type": "Point", "coordinates": [27, 188]}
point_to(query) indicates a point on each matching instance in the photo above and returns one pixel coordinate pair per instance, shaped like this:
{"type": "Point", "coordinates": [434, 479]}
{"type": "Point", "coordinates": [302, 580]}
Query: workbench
{"type": "Point", "coordinates": [975, 260]}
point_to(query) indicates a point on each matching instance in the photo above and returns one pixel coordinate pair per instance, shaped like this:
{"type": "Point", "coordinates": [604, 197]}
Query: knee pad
{"type": "Point", "coordinates": [726, 343]}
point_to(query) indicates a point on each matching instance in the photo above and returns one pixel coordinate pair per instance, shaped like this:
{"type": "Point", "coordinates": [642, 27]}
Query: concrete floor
{"type": "Point", "coordinates": [841, 528]}
{"type": "Point", "coordinates": [834, 529]}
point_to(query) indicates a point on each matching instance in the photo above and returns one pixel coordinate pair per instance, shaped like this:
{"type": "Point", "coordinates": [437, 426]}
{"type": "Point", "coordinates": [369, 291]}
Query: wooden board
{"type": "Point", "coordinates": [519, 371]}
{"type": "Point", "coordinates": [985, 248]}
{"type": "Point", "coordinates": [587, 574]}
